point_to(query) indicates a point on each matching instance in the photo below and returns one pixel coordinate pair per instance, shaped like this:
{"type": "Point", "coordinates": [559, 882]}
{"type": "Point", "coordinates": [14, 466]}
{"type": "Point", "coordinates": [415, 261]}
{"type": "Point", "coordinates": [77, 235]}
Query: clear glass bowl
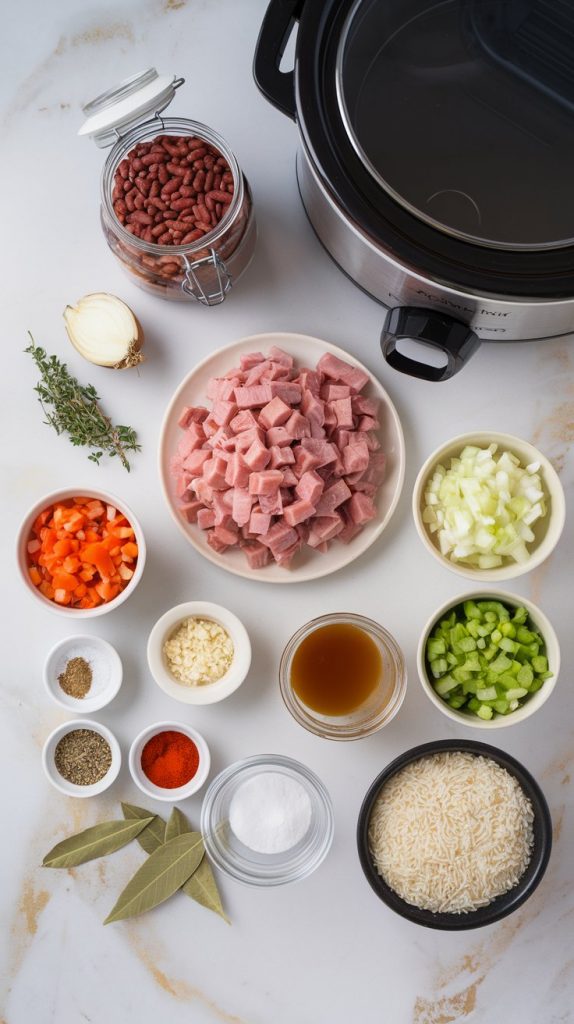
{"type": "Point", "coordinates": [246, 865]}
{"type": "Point", "coordinates": [376, 711]}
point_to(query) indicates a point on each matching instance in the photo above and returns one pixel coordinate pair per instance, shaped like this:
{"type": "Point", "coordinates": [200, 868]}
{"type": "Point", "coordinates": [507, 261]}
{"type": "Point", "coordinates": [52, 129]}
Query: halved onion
{"type": "Point", "coordinates": [105, 331]}
{"type": "Point", "coordinates": [482, 507]}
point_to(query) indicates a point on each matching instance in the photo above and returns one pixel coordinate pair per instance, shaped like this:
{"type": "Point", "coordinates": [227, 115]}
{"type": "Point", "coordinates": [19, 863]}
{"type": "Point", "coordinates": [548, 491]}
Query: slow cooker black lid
{"type": "Point", "coordinates": [381, 171]}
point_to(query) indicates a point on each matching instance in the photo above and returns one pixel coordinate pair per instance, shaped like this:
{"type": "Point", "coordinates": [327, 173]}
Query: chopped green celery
{"type": "Point", "coordinates": [467, 645]}
{"type": "Point", "coordinates": [496, 636]}
{"type": "Point", "coordinates": [456, 702]}
{"type": "Point", "coordinates": [516, 694]}
{"type": "Point", "coordinates": [481, 643]}
{"type": "Point", "coordinates": [451, 658]}
{"type": "Point", "coordinates": [435, 647]}
{"type": "Point", "coordinates": [486, 630]}
{"type": "Point", "coordinates": [536, 685]}
{"type": "Point", "coordinates": [452, 618]}
{"type": "Point", "coordinates": [457, 633]}
{"type": "Point", "coordinates": [485, 712]}
{"type": "Point", "coordinates": [508, 645]}
{"type": "Point", "coordinates": [515, 668]}
{"type": "Point", "coordinates": [506, 680]}
{"type": "Point", "coordinates": [494, 607]}
{"type": "Point", "coordinates": [540, 663]}
{"type": "Point", "coordinates": [473, 704]}
{"type": "Point", "coordinates": [500, 664]}
{"type": "Point", "coordinates": [461, 675]}
{"type": "Point", "coordinates": [507, 629]}
{"type": "Point", "coordinates": [473, 627]}
{"type": "Point", "coordinates": [501, 706]}
{"type": "Point", "coordinates": [546, 675]}
{"type": "Point", "coordinates": [471, 610]}
{"type": "Point", "coordinates": [445, 685]}
{"type": "Point", "coordinates": [470, 686]}
{"type": "Point", "coordinates": [487, 694]}
{"type": "Point", "coordinates": [490, 617]}
{"type": "Point", "coordinates": [438, 667]}
{"type": "Point", "coordinates": [520, 616]}
{"type": "Point", "coordinates": [533, 649]}
{"type": "Point", "coordinates": [525, 676]}
{"type": "Point", "coordinates": [490, 652]}
{"type": "Point", "coordinates": [524, 636]}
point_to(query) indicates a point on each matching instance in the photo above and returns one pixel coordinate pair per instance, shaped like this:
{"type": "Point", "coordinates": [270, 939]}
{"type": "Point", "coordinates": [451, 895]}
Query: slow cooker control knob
{"type": "Point", "coordinates": [433, 329]}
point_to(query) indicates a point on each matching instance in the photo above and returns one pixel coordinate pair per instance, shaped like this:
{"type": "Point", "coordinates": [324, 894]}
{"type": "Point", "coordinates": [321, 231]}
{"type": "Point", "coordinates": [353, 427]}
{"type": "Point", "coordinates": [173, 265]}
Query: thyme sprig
{"type": "Point", "coordinates": [72, 408]}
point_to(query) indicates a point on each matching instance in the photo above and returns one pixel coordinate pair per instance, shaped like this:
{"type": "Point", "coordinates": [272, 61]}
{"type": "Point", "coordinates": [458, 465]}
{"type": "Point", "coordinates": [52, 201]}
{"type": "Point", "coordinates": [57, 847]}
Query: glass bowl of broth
{"type": "Point", "coordinates": [342, 676]}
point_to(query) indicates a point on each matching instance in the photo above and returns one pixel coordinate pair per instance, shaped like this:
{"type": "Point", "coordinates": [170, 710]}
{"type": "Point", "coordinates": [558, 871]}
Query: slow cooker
{"type": "Point", "coordinates": [436, 162]}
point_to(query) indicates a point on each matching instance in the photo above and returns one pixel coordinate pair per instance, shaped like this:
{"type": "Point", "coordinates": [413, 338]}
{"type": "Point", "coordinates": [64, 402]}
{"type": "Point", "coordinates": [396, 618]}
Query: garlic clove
{"type": "Point", "coordinates": [104, 330]}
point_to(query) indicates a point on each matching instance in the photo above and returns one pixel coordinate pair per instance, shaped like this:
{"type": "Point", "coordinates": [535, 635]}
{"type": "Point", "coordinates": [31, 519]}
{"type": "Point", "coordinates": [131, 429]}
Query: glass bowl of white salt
{"type": "Point", "coordinates": [267, 820]}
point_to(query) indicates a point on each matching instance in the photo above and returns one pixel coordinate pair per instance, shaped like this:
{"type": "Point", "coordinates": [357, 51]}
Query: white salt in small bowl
{"type": "Point", "coordinates": [70, 788]}
{"type": "Point", "coordinates": [248, 865]}
{"type": "Point", "coordinates": [106, 666]}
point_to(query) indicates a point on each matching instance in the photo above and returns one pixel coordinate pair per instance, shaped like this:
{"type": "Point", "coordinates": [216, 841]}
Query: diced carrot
{"type": "Point", "coordinates": [62, 547]}
{"type": "Point", "coordinates": [64, 581]}
{"type": "Point", "coordinates": [62, 596]}
{"type": "Point", "coordinates": [130, 549]}
{"type": "Point", "coordinates": [125, 572]}
{"type": "Point", "coordinates": [81, 590]}
{"type": "Point", "coordinates": [34, 575]}
{"type": "Point", "coordinates": [107, 590]}
{"type": "Point", "coordinates": [71, 564]}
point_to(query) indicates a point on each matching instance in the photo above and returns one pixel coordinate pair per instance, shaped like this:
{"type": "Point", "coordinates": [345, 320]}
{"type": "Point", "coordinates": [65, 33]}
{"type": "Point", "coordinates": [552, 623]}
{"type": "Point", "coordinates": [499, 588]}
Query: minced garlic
{"type": "Point", "coordinates": [199, 652]}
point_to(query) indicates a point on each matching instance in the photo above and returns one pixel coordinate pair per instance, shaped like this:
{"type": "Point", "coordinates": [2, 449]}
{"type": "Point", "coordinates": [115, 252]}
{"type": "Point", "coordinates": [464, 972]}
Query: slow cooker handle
{"type": "Point", "coordinates": [277, 86]}
{"type": "Point", "coordinates": [430, 327]}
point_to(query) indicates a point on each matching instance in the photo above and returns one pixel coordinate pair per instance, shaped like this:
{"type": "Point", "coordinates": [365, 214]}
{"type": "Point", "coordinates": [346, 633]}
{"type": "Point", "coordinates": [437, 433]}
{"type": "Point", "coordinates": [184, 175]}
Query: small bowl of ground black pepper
{"type": "Point", "coordinates": [81, 758]}
{"type": "Point", "coordinates": [83, 673]}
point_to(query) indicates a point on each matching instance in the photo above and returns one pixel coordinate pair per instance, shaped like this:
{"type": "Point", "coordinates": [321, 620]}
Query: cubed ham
{"type": "Point", "coordinates": [203, 490]}
{"type": "Point", "coordinates": [281, 456]}
{"type": "Point", "coordinates": [284, 558]}
{"type": "Point", "coordinates": [241, 507]}
{"type": "Point", "coordinates": [324, 528]}
{"type": "Point", "coordinates": [195, 461]}
{"type": "Point", "coordinates": [244, 420]}
{"type": "Point", "coordinates": [356, 457]}
{"type": "Point", "coordinates": [182, 483]}
{"type": "Point", "coordinates": [289, 478]}
{"type": "Point", "coordinates": [210, 425]}
{"type": "Point", "coordinates": [332, 392]}
{"type": "Point", "coordinates": [226, 534]}
{"type": "Point", "coordinates": [223, 411]}
{"type": "Point", "coordinates": [360, 509]}
{"type": "Point", "coordinates": [311, 380]}
{"type": "Point", "coordinates": [279, 356]}
{"type": "Point", "coordinates": [368, 423]}
{"type": "Point", "coordinates": [205, 518]}
{"type": "Point", "coordinates": [265, 482]}
{"type": "Point", "coordinates": [363, 406]}
{"type": "Point", "coordinates": [322, 450]}
{"type": "Point", "coordinates": [275, 413]}
{"type": "Point", "coordinates": [279, 538]}
{"type": "Point", "coordinates": [376, 471]}
{"type": "Point", "coordinates": [290, 393]}
{"type": "Point", "coordinates": [278, 437]}
{"type": "Point", "coordinates": [310, 487]}
{"type": "Point", "coordinates": [305, 461]}
{"type": "Point", "coordinates": [246, 438]}
{"type": "Point", "coordinates": [256, 374]}
{"type": "Point", "coordinates": [251, 359]}
{"type": "Point", "coordinates": [193, 438]}
{"type": "Point", "coordinates": [313, 408]}
{"type": "Point", "coordinates": [215, 542]}
{"type": "Point", "coordinates": [237, 472]}
{"type": "Point", "coordinates": [257, 456]}
{"type": "Point", "coordinates": [257, 555]}
{"type": "Point", "coordinates": [190, 510]}
{"type": "Point", "coordinates": [338, 370]}
{"type": "Point", "coordinates": [343, 412]}
{"type": "Point", "coordinates": [298, 512]}
{"type": "Point", "coordinates": [220, 388]}
{"type": "Point", "coordinates": [223, 440]}
{"type": "Point", "coordinates": [332, 497]}
{"type": "Point", "coordinates": [189, 413]}
{"type": "Point", "coordinates": [222, 501]}
{"type": "Point", "coordinates": [259, 522]}
{"type": "Point", "coordinates": [214, 472]}
{"type": "Point", "coordinates": [253, 397]}
{"type": "Point", "coordinates": [349, 532]}
{"type": "Point", "coordinates": [272, 503]}
{"type": "Point", "coordinates": [297, 426]}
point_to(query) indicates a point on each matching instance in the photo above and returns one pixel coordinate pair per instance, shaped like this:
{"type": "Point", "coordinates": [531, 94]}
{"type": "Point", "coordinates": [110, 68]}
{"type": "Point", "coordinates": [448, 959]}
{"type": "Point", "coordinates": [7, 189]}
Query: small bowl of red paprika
{"type": "Point", "coordinates": [169, 761]}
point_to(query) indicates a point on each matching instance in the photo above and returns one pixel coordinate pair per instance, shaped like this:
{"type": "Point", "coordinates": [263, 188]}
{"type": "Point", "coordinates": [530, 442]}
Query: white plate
{"type": "Point", "coordinates": [307, 564]}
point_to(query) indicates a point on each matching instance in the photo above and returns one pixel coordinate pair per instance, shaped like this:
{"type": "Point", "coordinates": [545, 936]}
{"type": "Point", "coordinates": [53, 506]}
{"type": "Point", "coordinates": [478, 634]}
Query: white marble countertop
{"type": "Point", "coordinates": [324, 950]}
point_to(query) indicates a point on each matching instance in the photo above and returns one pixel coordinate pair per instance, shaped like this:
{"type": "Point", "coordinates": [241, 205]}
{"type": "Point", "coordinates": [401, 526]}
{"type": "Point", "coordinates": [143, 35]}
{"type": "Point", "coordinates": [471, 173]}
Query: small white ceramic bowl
{"type": "Point", "coordinates": [547, 530]}
{"type": "Point", "coordinates": [208, 693]}
{"type": "Point", "coordinates": [149, 788]}
{"type": "Point", "coordinates": [57, 780]}
{"type": "Point", "coordinates": [534, 702]}
{"type": "Point", "coordinates": [106, 667]}
{"type": "Point", "coordinates": [24, 536]}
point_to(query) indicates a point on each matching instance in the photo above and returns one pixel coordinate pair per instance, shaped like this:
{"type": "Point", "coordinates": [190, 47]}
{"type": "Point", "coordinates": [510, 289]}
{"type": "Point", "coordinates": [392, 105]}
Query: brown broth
{"type": "Point", "coordinates": [336, 668]}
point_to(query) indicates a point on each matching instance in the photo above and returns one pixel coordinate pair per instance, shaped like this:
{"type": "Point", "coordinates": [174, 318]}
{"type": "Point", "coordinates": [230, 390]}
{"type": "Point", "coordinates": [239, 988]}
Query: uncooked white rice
{"type": "Point", "coordinates": [451, 832]}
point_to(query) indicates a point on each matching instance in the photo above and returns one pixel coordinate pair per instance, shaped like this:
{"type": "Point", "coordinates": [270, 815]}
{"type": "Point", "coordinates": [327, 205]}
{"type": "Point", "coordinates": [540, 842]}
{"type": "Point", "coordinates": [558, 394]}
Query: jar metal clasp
{"type": "Point", "coordinates": [192, 285]}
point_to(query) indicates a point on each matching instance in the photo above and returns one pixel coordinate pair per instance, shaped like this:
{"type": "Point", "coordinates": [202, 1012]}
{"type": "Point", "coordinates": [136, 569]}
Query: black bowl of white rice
{"type": "Point", "coordinates": [454, 834]}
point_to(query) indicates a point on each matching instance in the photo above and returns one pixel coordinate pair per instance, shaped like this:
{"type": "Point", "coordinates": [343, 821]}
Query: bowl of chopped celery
{"type": "Point", "coordinates": [489, 506]}
{"type": "Point", "coordinates": [488, 659]}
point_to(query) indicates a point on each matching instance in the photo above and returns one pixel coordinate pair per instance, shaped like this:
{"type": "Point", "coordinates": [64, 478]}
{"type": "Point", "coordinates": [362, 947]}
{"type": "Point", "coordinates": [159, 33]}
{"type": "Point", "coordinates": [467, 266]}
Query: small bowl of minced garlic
{"type": "Point", "coordinates": [199, 652]}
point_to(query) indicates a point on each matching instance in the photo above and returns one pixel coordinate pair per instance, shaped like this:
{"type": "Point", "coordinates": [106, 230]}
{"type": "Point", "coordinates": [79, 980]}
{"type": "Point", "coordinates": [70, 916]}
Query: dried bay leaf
{"type": "Point", "coordinates": [162, 874]}
{"type": "Point", "coordinates": [152, 835]}
{"type": "Point", "coordinates": [202, 886]}
{"type": "Point", "coordinates": [97, 841]}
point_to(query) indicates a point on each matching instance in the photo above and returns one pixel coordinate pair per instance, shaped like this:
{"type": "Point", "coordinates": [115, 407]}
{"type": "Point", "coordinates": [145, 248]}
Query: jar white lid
{"type": "Point", "coordinates": [126, 104]}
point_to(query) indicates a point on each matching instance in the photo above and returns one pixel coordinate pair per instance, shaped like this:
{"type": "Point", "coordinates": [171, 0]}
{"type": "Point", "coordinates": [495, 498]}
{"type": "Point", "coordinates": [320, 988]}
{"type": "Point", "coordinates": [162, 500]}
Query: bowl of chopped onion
{"type": "Point", "coordinates": [488, 659]}
{"type": "Point", "coordinates": [488, 506]}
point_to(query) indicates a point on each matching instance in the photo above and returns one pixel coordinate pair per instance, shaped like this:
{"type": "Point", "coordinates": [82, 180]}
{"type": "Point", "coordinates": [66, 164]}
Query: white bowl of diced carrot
{"type": "Point", "coordinates": [81, 552]}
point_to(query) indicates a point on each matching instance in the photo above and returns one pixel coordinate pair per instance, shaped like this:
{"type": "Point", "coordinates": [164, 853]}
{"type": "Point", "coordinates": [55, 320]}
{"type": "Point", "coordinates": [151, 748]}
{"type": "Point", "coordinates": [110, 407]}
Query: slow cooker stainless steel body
{"type": "Point", "coordinates": [441, 285]}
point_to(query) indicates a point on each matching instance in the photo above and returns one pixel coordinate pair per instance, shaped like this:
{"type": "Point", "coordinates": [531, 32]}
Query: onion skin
{"type": "Point", "coordinates": [76, 317]}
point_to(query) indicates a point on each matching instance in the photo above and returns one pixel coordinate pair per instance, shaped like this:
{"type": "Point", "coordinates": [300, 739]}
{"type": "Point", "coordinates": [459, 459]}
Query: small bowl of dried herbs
{"type": "Point", "coordinates": [81, 758]}
{"type": "Point", "coordinates": [81, 552]}
{"type": "Point", "coordinates": [83, 673]}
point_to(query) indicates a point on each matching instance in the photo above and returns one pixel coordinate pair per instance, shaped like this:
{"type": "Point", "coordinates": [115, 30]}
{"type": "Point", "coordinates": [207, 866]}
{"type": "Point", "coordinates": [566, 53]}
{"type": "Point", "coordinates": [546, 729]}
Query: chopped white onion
{"type": "Point", "coordinates": [482, 507]}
